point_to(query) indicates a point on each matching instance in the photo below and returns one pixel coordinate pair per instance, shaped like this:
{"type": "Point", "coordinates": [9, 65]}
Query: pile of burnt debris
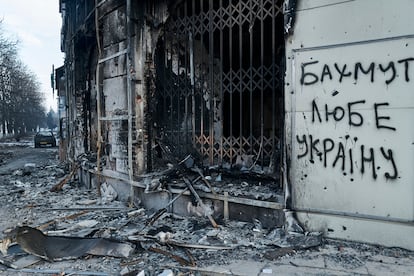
{"type": "Point", "coordinates": [52, 225]}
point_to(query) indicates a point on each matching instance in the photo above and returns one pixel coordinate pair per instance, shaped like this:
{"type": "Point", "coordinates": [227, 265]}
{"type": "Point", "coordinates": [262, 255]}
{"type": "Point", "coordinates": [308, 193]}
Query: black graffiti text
{"type": "Point", "coordinates": [313, 72]}
{"type": "Point", "coordinates": [349, 113]}
{"type": "Point", "coordinates": [360, 158]}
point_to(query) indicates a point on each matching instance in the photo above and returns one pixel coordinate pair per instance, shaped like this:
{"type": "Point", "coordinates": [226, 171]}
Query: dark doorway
{"type": "Point", "coordinates": [219, 85]}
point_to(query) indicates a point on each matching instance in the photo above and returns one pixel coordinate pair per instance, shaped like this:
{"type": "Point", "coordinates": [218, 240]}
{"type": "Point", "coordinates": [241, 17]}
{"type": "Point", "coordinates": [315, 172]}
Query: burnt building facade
{"type": "Point", "coordinates": [153, 81]}
{"type": "Point", "coordinates": [240, 86]}
{"type": "Point", "coordinates": [197, 76]}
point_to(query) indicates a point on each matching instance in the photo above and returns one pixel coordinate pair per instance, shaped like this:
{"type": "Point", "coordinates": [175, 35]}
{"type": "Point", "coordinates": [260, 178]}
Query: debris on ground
{"type": "Point", "coordinates": [83, 234]}
{"type": "Point", "coordinates": [56, 248]}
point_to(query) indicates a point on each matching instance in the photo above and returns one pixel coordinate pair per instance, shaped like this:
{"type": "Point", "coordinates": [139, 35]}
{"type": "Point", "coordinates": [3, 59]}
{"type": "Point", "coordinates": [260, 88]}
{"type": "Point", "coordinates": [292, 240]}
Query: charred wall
{"type": "Point", "coordinates": [79, 44]}
{"type": "Point", "coordinates": [149, 82]}
{"type": "Point", "coordinates": [219, 69]}
{"type": "Point", "coordinates": [89, 35]}
{"type": "Point", "coordinates": [193, 77]}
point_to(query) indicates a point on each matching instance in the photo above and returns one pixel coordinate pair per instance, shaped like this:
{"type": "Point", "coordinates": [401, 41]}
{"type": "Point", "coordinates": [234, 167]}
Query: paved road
{"type": "Point", "coordinates": [14, 156]}
{"type": "Point", "coordinates": [17, 155]}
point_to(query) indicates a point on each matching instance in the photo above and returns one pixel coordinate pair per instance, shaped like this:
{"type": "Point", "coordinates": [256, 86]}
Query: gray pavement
{"type": "Point", "coordinates": [332, 258]}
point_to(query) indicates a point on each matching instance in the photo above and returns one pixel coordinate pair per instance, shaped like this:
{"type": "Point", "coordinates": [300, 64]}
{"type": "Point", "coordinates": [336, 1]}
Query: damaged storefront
{"type": "Point", "coordinates": [152, 86]}
{"type": "Point", "coordinates": [237, 109]}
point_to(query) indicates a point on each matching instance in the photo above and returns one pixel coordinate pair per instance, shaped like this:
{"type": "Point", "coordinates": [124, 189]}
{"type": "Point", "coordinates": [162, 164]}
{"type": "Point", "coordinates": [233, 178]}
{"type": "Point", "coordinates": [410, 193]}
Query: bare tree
{"type": "Point", "coordinates": [20, 97]}
{"type": "Point", "coordinates": [8, 54]}
{"type": "Point", "coordinates": [25, 103]}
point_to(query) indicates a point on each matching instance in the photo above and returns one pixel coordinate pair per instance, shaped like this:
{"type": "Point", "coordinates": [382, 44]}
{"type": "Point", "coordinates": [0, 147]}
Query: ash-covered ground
{"type": "Point", "coordinates": [172, 245]}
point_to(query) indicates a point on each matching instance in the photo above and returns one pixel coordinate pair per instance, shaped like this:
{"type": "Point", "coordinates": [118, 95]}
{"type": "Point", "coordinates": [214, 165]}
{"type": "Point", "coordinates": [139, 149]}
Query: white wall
{"type": "Point", "coordinates": [352, 169]}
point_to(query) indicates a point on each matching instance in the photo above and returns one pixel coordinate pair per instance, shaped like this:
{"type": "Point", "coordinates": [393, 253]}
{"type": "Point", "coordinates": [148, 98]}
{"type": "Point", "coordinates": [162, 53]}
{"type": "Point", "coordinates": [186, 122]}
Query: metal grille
{"type": "Point", "coordinates": [219, 80]}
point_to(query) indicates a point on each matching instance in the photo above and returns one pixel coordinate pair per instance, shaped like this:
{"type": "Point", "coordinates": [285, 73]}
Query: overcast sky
{"type": "Point", "coordinates": [36, 23]}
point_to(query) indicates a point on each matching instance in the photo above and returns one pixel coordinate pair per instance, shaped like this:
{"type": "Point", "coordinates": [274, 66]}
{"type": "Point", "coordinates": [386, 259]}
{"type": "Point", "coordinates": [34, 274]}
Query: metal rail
{"type": "Point", "coordinates": [130, 66]}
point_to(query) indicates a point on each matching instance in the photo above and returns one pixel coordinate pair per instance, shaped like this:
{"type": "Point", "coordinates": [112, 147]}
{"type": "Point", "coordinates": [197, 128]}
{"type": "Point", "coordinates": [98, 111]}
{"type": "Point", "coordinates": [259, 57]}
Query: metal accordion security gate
{"type": "Point", "coordinates": [219, 82]}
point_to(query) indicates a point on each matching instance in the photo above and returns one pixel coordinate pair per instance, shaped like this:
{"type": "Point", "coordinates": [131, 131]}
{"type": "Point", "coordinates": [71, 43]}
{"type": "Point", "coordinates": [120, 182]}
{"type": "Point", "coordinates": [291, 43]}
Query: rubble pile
{"type": "Point", "coordinates": [72, 230]}
{"type": "Point", "coordinates": [4, 155]}
{"type": "Point", "coordinates": [83, 215]}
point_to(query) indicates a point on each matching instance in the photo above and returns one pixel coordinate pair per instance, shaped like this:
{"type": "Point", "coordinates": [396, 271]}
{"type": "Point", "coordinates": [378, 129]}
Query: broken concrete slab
{"type": "Point", "coordinates": [299, 241]}
{"type": "Point", "coordinates": [108, 193]}
{"type": "Point", "coordinates": [14, 257]}
{"type": "Point", "coordinates": [274, 254]}
{"type": "Point", "coordinates": [25, 261]}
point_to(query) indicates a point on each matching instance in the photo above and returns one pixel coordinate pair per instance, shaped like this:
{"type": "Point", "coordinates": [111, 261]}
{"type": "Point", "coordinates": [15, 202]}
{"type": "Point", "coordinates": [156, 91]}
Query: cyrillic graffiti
{"type": "Point", "coordinates": [352, 155]}
{"type": "Point", "coordinates": [348, 113]}
{"type": "Point", "coordinates": [333, 153]}
{"type": "Point", "coordinates": [312, 72]}
{"type": "Point", "coordinates": [347, 155]}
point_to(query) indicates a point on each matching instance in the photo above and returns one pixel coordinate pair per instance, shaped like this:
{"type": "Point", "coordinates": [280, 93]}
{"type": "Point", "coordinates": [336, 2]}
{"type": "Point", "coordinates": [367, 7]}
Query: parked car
{"type": "Point", "coordinates": [43, 138]}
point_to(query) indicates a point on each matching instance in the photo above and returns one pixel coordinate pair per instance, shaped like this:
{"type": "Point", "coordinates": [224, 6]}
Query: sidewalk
{"type": "Point", "coordinates": [333, 258]}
